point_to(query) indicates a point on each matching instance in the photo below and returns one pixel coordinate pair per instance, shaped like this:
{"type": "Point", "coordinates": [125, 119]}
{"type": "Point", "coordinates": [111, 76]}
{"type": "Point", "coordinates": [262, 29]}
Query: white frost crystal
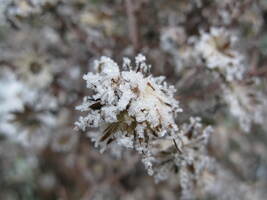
{"type": "Point", "coordinates": [137, 111]}
{"type": "Point", "coordinates": [217, 48]}
{"type": "Point", "coordinates": [128, 101]}
{"type": "Point", "coordinates": [130, 107]}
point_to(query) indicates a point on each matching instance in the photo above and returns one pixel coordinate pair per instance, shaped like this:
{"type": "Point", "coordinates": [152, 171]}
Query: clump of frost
{"type": "Point", "coordinates": [128, 101]}
{"type": "Point", "coordinates": [130, 106]}
{"type": "Point", "coordinates": [217, 49]}
{"type": "Point", "coordinates": [137, 111]}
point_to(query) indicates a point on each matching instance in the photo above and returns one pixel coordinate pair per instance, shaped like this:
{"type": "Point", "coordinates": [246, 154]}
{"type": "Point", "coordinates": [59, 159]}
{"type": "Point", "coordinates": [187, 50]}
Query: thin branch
{"type": "Point", "coordinates": [132, 24]}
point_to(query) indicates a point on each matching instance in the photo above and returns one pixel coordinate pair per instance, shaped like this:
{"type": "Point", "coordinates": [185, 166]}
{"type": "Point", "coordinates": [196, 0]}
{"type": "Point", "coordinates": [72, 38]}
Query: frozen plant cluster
{"type": "Point", "coordinates": [135, 110]}
{"type": "Point", "coordinates": [217, 53]}
{"type": "Point", "coordinates": [216, 48]}
{"type": "Point", "coordinates": [129, 107]}
{"type": "Point", "coordinates": [212, 52]}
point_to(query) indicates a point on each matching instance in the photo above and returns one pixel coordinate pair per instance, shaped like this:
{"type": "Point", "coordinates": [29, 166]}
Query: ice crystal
{"type": "Point", "coordinates": [128, 101]}
{"type": "Point", "coordinates": [138, 111]}
{"type": "Point", "coordinates": [129, 106]}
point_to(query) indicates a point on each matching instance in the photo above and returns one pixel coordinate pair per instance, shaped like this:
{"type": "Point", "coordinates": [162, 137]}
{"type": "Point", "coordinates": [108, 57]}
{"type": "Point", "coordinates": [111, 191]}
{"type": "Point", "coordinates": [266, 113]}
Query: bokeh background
{"type": "Point", "coordinates": [47, 45]}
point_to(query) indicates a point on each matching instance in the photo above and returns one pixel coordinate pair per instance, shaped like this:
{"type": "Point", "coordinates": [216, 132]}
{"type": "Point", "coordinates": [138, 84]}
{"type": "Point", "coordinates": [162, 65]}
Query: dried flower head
{"type": "Point", "coordinates": [131, 108]}
{"type": "Point", "coordinates": [137, 111]}
{"type": "Point", "coordinates": [128, 103]}
{"type": "Point", "coordinates": [217, 48]}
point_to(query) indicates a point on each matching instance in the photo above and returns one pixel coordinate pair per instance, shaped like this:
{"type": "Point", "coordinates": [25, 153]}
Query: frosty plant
{"type": "Point", "coordinates": [217, 49]}
{"type": "Point", "coordinates": [132, 108]}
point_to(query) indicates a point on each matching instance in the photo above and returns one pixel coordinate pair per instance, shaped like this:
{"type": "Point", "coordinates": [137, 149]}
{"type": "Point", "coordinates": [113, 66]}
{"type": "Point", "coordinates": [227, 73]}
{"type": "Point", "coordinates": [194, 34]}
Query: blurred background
{"type": "Point", "coordinates": [47, 45]}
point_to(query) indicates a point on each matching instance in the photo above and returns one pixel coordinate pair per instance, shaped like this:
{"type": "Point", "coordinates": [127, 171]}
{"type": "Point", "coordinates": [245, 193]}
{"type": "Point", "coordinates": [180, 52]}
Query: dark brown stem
{"type": "Point", "coordinates": [132, 24]}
